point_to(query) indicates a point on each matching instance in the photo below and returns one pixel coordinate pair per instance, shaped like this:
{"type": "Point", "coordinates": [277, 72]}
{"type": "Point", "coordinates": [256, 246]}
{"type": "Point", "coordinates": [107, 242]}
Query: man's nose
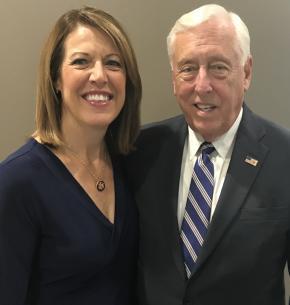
{"type": "Point", "coordinates": [203, 81]}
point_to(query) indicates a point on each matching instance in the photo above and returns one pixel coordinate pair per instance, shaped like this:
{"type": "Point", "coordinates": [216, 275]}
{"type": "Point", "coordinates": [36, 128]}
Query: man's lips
{"type": "Point", "coordinates": [204, 107]}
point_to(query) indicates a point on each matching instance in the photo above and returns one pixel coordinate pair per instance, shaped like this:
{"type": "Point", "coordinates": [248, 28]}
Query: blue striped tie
{"type": "Point", "coordinates": [198, 206]}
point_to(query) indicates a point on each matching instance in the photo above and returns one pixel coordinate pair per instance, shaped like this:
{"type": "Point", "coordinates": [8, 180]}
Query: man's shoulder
{"type": "Point", "coordinates": [275, 128]}
{"type": "Point", "coordinates": [265, 130]}
{"type": "Point", "coordinates": [159, 137]}
{"type": "Point", "coordinates": [157, 146]}
{"type": "Point", "coordinates": [271, 128]}
{"type": "Point", "coordinates": [164, 128]}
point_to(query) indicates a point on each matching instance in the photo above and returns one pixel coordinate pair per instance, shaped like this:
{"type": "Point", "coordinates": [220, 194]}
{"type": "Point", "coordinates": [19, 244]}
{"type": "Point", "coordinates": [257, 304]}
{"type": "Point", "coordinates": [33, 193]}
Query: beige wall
{"type": "Point", "coordinates": [25, 24]}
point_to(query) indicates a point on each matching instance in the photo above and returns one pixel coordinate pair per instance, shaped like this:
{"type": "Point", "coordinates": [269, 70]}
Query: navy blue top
{"type": "Point", "coordinates": [56, 247]}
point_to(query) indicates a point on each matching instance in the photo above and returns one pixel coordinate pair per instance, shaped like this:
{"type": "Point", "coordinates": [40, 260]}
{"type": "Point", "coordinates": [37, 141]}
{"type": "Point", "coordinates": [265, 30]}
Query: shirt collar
{"type": "Point", "coordinates": [222, 144]}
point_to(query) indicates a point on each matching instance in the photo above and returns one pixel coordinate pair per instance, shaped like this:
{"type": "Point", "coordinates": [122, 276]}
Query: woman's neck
{"type": "Point", "coordinates": [88, 143]}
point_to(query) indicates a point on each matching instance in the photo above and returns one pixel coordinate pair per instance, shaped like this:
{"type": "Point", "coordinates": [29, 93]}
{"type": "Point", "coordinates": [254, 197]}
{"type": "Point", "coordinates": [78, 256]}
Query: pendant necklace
{"type": "Point", "coordinates": [98, 181]}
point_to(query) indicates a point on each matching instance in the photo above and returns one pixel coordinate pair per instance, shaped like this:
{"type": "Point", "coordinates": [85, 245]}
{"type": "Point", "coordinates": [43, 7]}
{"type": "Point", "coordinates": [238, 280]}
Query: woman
{"type": "Point", "coordinates": [68, 227]}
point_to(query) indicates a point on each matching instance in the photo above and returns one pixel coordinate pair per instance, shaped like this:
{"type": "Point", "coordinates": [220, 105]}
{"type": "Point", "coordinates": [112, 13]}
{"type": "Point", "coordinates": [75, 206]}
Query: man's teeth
{"type": "Point", "coordinates": [97, 97]}
{"type": "Point", "coordinates": [205, 107]}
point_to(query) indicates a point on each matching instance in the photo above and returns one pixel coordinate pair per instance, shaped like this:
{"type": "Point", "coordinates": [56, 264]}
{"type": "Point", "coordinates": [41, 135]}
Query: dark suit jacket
{"type": "Point", "coordinates": [247, 245]}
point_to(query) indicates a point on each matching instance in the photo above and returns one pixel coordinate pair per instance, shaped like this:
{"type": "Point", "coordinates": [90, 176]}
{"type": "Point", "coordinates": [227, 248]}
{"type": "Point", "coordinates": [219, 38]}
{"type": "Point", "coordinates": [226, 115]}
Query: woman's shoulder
{"type": "Point", "coordinates": [18, 180]}
{"type": "Point", "coordinates": [22, 162]}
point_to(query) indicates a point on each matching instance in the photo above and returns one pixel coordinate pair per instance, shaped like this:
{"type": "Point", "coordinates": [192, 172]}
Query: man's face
{"type": "Point", "coordinates": [209, 79]}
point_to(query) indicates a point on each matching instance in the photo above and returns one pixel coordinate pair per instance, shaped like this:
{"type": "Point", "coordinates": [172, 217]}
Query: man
{"type": "Point", "coordinates": [212, 185]}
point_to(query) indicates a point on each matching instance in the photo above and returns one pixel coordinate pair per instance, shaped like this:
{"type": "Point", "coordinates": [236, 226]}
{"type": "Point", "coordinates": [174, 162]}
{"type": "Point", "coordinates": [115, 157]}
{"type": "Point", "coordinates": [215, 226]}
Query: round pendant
{"type": "Point", "coordinates": [100, 185]}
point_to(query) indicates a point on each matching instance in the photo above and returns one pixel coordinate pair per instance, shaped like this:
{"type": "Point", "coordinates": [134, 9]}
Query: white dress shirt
{"type": "Point", "coordinates": [220, 158]}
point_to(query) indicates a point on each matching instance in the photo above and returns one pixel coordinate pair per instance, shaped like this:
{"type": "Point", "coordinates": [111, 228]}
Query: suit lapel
{"type": "Point", "coordinates": [241, 174]}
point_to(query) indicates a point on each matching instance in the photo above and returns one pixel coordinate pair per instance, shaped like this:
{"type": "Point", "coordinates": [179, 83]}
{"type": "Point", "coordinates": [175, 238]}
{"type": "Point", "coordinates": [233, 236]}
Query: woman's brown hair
{"type": "Point", "coordinates": [123, 131]}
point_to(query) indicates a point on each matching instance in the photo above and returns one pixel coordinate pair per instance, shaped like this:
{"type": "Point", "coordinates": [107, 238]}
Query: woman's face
{"type": "Point", "coordinates": [92, 79]}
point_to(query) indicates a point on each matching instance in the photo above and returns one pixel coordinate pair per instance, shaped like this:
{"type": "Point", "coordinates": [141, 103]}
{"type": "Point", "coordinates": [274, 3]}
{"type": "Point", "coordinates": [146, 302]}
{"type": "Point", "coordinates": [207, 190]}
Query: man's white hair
{"type": "Point", "coordinates": [194, 18]}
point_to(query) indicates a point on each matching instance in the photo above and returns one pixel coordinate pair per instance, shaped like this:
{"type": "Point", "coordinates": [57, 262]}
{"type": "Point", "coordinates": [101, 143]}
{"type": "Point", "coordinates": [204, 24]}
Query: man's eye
{"type": "Point", "coordinates": [188, 69]}
{"type": "Point", "coordinates": [219, 69]}
{"type": "Point", "coordinates": [187, 72]}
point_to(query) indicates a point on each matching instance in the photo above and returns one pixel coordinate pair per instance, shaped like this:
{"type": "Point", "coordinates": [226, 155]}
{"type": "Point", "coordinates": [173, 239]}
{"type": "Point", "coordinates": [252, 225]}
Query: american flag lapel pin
{"type": "Point", "coordinates": [250, 160]}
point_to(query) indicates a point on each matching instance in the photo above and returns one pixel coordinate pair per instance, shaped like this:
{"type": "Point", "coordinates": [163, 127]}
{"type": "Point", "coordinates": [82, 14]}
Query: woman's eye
{"type": "Point", "coordinates": [114, 64]}
{"type": "Point", "coordinates": [79, 61]}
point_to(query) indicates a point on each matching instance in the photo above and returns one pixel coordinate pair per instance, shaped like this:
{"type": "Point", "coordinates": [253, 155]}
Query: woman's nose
{"type": "Point", "coordinates": [98, 74]}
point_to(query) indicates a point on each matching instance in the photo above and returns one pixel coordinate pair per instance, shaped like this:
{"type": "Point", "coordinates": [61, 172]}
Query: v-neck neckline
{"type": "Point", "coordinates": [81, 192]}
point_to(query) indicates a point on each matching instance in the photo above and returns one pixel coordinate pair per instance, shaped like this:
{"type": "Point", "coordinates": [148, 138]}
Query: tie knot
{"type": "Point", "coordinates": [206, 148]}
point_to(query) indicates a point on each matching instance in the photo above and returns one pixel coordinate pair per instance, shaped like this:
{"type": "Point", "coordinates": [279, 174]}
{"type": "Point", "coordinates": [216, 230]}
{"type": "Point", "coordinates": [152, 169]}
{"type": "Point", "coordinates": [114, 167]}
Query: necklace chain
{"type": "Point", "coordinates": [99, 182]}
